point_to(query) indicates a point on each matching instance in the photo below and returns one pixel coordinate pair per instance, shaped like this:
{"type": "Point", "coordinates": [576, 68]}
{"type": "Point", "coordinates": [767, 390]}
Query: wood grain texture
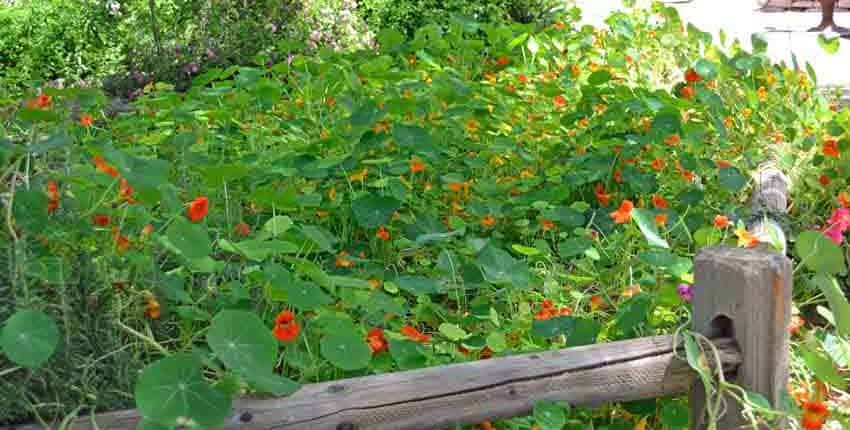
{"type": "Point", "coordinates": [752, 288]}
{"type": "Point", "coordinates": [467, 393]}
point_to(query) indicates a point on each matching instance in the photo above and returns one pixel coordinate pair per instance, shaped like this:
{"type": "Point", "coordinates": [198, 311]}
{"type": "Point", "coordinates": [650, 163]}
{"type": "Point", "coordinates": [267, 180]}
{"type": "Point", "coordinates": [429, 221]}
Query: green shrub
{"type": "Point", "coordinates": [52, 39]}
{"type": "Point", "coordinates": [408, 15]}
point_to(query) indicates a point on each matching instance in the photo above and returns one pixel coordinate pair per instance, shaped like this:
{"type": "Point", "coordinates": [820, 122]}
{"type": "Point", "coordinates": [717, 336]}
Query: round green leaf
{"type": "Point", "coordinates": [29, 338]}
{"type": "Point", "coordinates": [174, 388]}
{"type": "Point", "coordinates": [242, 342]}
{"type": "Point", "coordinates": [819, 254]}
{"type": "Point", "coordinates": [188, 238]}
{"type": "Point", "coordinates": [453, 331]}
{"type": "Point", "coordinates": [304, 295]}
{"type": "Point", "coordinates": [373, 211]}
{"type": "Point", "coordinates": [550, 415]}
{"type": "Point", "coordinates": [417, 284]}
{"type": "Point", "coordinates": [346, 350]}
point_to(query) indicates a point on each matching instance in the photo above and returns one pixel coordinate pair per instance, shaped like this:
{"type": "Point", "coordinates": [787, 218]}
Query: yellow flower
{"type": "Point", "coordinates": [745, 239]}
{"type": "Point", "coordinates": [360, 176]}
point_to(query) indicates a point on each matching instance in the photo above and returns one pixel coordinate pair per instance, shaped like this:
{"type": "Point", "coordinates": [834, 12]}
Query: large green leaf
{"type": "Point", "coordinates": [258, 250]}
{"type": "Point", "coordinates": [499, 267]}
{"type": "Point", "coordinates": [407, 353]}
{"type": "Point", "coordinates": [29, 338]}
{"type": "Point", "coordinates": [819, 254]}
{"type": "Point", "coordinates": [549, 415]}
{"type": "Point", "coordinates": [189, 239]}
{"type": "Point", "coordinates": [267, 382]}
{"type": "Point", "coordinates": [346, 349]}
{"type": "Point", "coordinates": [277, 225]}
{"type": "Point", "coordinates": [304, 295]}
{"type": "Point", "coordinates": [418, 284]}
{"type": "Point", "coordinates": [822, 366]}
{"type": "Point", "coordinates": [646, 222]}
{"type": "Point", "coordinates": [731, 178]}
{"type": "Point", "coordinates": [242, 342]}
{"type": "Point", "coordinates": [837, 302]}
{"type": "Point", "coordinates": [174, 388]}
{"type": "Point", "coordinates": [373, 211]}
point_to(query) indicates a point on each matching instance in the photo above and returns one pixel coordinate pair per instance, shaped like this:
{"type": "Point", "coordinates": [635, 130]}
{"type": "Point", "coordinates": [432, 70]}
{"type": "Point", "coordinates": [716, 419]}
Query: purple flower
{"type": "Point", "coordinates": [685, 292]}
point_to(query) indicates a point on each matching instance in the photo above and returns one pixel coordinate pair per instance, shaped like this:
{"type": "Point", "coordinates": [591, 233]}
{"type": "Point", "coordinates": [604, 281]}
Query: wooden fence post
{"type": "Point", "coordinates": [744, 294]}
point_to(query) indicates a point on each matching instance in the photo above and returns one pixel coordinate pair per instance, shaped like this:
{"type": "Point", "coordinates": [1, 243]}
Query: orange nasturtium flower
{"type": "Point", "coordinates": [100, 220]}
{"type": "Point", "coordinates": [659, 202]}
{"type": "Point", "coordinates": [152, 308]}
{"type": "Point", "coordinates": [830, 148]}
{"type": "Point", "coordinates": [824, 180]}
{"type": "Point", "coordinates": [661, 219]}
{"type": "Point", "coordinates": [122, 243]}
{"type": "Point", "coordinates": [547, 225]}
{"type": "Point", "coordinates": [488, 221]}
{"type": "Point", "coordinates": [486, 425]}
{"type": "Point", "coordinates": [746, 239]}
{"type": "Point", "coordinates": [286, 328]}
{"type": "Point", "coordinates": [658, 164]}
{"type": "Point", "coordinates": [503, 61]}
{"type": "Point", "coordinates": [596, 302]}
{"type": "Point", "coordinates": [762, 93]}
{"type": "Point", "coordinates": [673, 139]}
{"type": "Point", "coordinates": [376, 340]}
{"type": "Point", "coordinates": [414, 334]}
{"type": "Point", "coordinates": [104, 167]}
{"type": "Point", "coordinates": [687, 92]}
{"type": "Point", "coordinates": [242, 229]}
{"type": "Point", "coordinates": [416, 165]}
{"type": "Point", "coordinates": [383, 234]}
{"type": "Point", "coordinates": [601, 196]}
{"type": "Point", "coordinates": [523, 78]}
{"type": "Point", "coordinates": [559, 101]}
{"type": "Point", "coordinates": [86, 120]}
{"type": "Point", "coordinates": [721, 221]}
{"type": "Point", "coordinates": [343, 261]}
{"type": "Point", "coordinates": [624, 213]}
{"type": "Point", "coordinates": [125, 191]}
{"type": "Point", "coordinates": [330, 101]}
{"type": "Point", "coordinates": [691, 75]}
{"type": "Point", "coordinates": [43, 101]}
{"type": "Point", "coordinates": [198, 209]}
{"type": "Point", "coordinates": [722, 163]}
{"type": "Point", "coordinates": [52, 197]}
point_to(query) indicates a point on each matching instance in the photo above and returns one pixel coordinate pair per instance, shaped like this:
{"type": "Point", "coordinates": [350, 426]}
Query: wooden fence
{"type": "Point", "coordinates": [742, 301]}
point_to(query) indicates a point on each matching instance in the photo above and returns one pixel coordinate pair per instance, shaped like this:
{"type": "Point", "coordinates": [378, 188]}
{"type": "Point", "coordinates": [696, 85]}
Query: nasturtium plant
{"type": "Point", "coordinates": [29, 338]}
{"type": "Point", "coordinates": [819, 254]}
{"type": "Point", "coordinates": [346, 350]}
{"type": "Point", "coordinates": [173, 391]}
{"type": "Point", "coordinates": [241, 341]}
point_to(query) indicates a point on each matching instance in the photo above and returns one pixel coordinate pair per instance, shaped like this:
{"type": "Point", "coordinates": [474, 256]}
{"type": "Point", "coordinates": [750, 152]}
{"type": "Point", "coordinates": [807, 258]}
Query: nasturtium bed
{"type": "Point", "coordinates": [478, 190]}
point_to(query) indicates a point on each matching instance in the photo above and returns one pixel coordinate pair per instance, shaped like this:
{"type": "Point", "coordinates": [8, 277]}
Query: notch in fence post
{"type": "Point", "coordinates": [744, 294]}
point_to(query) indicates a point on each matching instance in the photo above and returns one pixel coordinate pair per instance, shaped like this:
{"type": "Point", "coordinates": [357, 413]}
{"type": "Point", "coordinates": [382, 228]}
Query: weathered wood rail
{"type": "Point", "coordinates": [742, 301]}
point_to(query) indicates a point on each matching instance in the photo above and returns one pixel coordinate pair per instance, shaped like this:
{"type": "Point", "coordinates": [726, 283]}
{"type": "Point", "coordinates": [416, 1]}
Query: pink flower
{"type": "Point", "coordinates": [838, 223]}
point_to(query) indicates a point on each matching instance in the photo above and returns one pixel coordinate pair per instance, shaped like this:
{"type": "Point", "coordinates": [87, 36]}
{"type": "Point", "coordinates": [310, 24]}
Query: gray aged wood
{"type": "Point", "coordinates": [752, 288]}
{"type": "Point", "coordinates": [468, 393]}
{"type": "Point", "coordinates": [768, 203]}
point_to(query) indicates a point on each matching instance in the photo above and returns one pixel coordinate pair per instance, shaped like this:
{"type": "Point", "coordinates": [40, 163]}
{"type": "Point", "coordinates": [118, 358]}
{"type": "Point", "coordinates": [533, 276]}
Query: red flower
{"type": "Point", "coordinates": [100, 220]}
{"type": "Point", "coordinates": [376, 340]}
{"type": "Point", "coordinates": [383, 234]}
{"type": "Point", "coordinates": [86, 120]}
{"type": "Point", "coordinates": [147, 229]}
{"type": "Point", "coordinates": [503, 61]}
{"type": "Point", "coordinates": [122, 243]}
{"type": "Point", "coordinates": [286, 329]}
{"type": "Point", "coordinates": [103, 166]}
{"type": "Point", "coordinates": [673, 139]}
{"type": "Point", "coordinates": [721, 221]}
{"type": "Point", "coordinates": [601, 196]}
{"type": "Point", "coordinates": [812, 423]}
{"type": "Point", "coordinates": [198, 209]}
{"type": "Point", "coordinates": [416, 165]}
{"type": "Point", "coordinates": [559, 101]}
{"type": "Point", "coordinates": [661, 219]}
{"type": "Point", "coordinates": [824, 180]}
{"type": "Point", "coordinates": [523, 78]}
{"type": "Point", "coordinates": [659, 202]}
{"type": "Point", "coordinates": [52, 197]}
{"type": "Point", "coordinates": [242, 229]}
{"type": "Point", "coordinates": [547, 225]}
{"type": "Point", "coordinates": [687, 92]}
{"type": "Point", "coordinates": [722, 163]}
{"type": "Point", "coordinates": [43, 101]}
{"type": "Point", "coordinates": [414, 334]}
{"type": "Point", "coordinates": [488, 221]}
{"type": "Point", "coordinates": [658, 164]}
{"type": "Point", "coordinates": [830, 148]}
{"type": "Point", "coordinates": [691, 75]}
{"type": "Point", "coordinates": [126, 191]}
{"type": "Point", "coordinates": [624, 213]}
